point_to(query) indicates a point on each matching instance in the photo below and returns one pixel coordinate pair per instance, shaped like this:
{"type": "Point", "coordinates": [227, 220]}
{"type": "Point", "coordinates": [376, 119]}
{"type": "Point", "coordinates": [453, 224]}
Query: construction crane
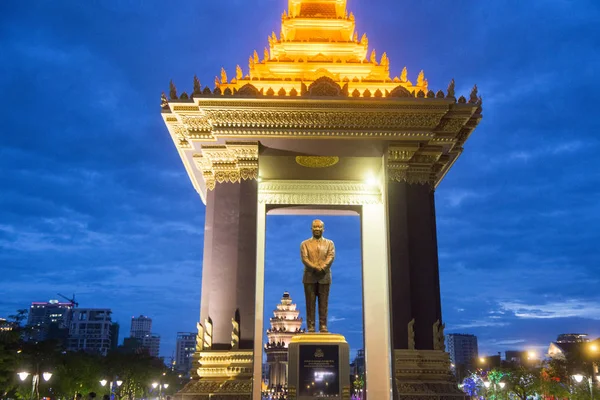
{"type": "Point", "coordinates": [70, 300]}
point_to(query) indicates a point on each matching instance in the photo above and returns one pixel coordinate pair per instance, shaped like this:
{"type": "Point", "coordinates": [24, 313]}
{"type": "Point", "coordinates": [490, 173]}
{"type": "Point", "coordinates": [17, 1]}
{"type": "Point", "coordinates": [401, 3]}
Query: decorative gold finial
{"type": "Point", "coordinates": [223, 76]}
{"type": "Point", "coordinates": [284, 15]}
{"type": "Point", "coordinates": [256, 59]}
{"type": "Point", "coordinates": [172, 91]}
{"type": "Point", "coordinates": [164, 103]}
{"type": "Point", "coordinates": [250, 63]}
{"type": "Point", "coordinates": [351, 16]}
{"type": "Point", "coordinates": [421, 79]}
{"type": "Point", "coordinates": [197, 86]}
{"type": "Point", "coordinates": [266, 55]}
{"type": "Point", "coordinates": [274, 37]}
{"type": "Point", "coordinates": [374, 57]}
{"type": "Point", "coordinates": [355, 37]}
{"type": "Point", "coordinates": [238, 73]}
{"type": "Point", "coordinates": [474, 98]}
{"type": "Point", "coordinates": [450, 92]}
{"type": "Point", "coordinates": [217, 82]}
{"type": "Point", "coordinates": [404, 75]}
{"type": "Point", "coordinates": [364, 40]}
{"type": "Point", "coordinates": [384, 60]}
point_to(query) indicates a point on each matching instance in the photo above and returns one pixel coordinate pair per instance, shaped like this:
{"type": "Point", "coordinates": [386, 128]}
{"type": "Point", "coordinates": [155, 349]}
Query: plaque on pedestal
{"type": "Point", "coordinates": [319, 367]}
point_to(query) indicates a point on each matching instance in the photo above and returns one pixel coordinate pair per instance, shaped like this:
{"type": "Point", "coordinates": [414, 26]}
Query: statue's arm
{"type": "Point", "coordinates": [304, 256]}
{"type": "Point", "coordinates": [330, 256]}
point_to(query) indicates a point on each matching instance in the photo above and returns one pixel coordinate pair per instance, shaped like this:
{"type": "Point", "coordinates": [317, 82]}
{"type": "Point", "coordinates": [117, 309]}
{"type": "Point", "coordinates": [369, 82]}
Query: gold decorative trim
{"type": "Point", "coordinates": [320, 192]}
{"type": "Point", "coordinates": [225, 364]}
{"type": "Point", "coordinates": [317, 161]}
{"type": "Point", "coordinates": [231, 162]}
{"type": "Point", "coordinates": [314, 337]}
{"type": "Point", "coordinates": [414, 163]}
{"type": "Point", "coordinates": [424, 374]}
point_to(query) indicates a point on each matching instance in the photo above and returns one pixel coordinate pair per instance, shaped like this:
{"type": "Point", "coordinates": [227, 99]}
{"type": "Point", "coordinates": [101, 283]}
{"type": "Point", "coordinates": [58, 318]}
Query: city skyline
{"type": "Point", "coordinates": [96, 202]}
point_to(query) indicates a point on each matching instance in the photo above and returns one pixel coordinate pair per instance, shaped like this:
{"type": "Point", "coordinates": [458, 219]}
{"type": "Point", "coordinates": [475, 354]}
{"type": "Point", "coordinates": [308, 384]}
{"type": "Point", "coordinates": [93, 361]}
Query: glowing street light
{"type": "Point", "coordinates": [502, 384]}
{"type": "Point", "coordinates": [487, 384]}
{"type": "Point", "coordinates": [119, 383]}
{"type": "Point", "coordinates": [154, 385]}
{"type": "Point", "coordinates": [23, 375]}
{"type": "Point", "coordinates": [578, 378]}
{"type": "Point", "coordinates": [47, 376]}
{"type": "Point", "coordinates": [103, 382]}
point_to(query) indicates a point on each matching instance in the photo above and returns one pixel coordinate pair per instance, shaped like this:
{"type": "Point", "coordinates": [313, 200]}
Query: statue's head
{"type": "Point", "coordinates": [318, 227]}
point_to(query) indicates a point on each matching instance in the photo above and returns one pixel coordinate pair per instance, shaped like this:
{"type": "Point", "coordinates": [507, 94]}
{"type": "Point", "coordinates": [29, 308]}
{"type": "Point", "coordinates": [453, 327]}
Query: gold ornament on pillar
{"type": "Point", "coordinates": [199, 337]}
{"type": "Point", "coordinates": [411, 334]}
{"type": "Point", "coordinates": [235, 332]}
{"type": "Point", "coordinates": [208, 334]}
{"type": "Point", "coordinates": [438, 336]}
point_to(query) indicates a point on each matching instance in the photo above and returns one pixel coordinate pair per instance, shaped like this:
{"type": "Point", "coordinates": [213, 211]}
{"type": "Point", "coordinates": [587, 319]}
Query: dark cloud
{"type": "Point", "coordinates": [94, 199]}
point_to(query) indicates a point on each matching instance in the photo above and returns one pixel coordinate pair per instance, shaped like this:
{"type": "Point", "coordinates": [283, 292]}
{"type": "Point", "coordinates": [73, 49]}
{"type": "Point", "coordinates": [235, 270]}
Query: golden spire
{"type": "Point", "coordinates": [318, 38]}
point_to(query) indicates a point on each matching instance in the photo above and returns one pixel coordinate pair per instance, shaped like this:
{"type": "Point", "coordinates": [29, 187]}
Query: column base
{"type": "Point", "coordinates": [424, 375]}
{"type": "Point", "coordinates": [222, 375]}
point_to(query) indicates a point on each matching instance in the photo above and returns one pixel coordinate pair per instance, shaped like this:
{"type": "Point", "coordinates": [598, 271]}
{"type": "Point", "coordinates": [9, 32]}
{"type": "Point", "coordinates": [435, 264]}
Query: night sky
{"type": "Point", "coordinates": [94, 199]}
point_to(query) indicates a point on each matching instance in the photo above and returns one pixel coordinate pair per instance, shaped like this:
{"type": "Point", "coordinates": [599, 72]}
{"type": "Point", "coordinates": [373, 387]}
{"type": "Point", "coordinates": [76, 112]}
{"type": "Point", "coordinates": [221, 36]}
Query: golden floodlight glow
{"type": "Point", "coordinates": [319, 39]}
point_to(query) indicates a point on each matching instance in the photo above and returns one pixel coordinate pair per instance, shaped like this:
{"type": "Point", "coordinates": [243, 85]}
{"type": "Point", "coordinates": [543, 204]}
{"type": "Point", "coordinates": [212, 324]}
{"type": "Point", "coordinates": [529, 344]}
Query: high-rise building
{"type": "Point", "coordinates": [49, 320]}
{"type": "Point", "coordinates": [140, 327]}
{"type": "Point", "coordinates": [114, 336]}
{"type": "Point", "coordinates": [357, 367]}
{"type": "Point", "coordinates": [184, 353]}
{"type": "Point", "coordinates": [284, 325]}
{"type": "Point", "coordinates": [152, 343]}
{"type": "Point", "coordinates": [463, 351]}
{"type": "Point", "coordinates": [90, 330]}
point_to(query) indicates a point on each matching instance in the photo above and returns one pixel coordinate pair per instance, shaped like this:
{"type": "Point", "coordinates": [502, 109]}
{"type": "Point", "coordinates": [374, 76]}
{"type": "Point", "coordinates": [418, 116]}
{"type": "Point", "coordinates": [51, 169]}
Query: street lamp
{"type": "Point", "coordinates": [579, 378]}
{"type": "Point", "coordinates": [111, 384]}
{"type": "Point", "coordinates": [160, 387]}
{"type": "Point", "coordinates": [35, 381]}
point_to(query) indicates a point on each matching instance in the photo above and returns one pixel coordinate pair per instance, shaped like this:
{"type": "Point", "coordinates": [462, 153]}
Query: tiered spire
{"type": "Point", "coordinates": [318, 38]}
{"type": "Point", "coordinates": [285, 323]}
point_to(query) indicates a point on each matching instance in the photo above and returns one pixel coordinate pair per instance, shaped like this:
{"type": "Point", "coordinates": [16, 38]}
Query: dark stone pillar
{"type": "Point", "coordinates": [414, 274]}
{"type": "Point", "coordinates": [229, 265]}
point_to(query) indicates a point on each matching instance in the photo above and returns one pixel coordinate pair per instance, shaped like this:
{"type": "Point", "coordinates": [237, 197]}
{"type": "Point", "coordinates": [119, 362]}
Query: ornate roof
{"type": "Point", "coordinates": [317, 39]}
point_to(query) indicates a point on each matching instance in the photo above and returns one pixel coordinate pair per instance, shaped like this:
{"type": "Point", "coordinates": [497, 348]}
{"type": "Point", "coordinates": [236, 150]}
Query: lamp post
{"type": "Point", "coordinates": [111, 383]}
{"type": "Point", "coordinates": [579, 378]}
{"type": "Point", "coordinates": [494, 386]}
{"type": "Point", "coordinates": [160, 386]}
{"type": "Point", "coordinates": [35, 381]}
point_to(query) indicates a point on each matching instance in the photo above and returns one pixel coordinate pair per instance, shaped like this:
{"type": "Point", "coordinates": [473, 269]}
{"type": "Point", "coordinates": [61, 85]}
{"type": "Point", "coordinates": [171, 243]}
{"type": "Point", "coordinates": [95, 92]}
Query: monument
{"type": "Point", "coordinates": [285, 324]}
{"type": "Point", "coordinates": [319, 124]}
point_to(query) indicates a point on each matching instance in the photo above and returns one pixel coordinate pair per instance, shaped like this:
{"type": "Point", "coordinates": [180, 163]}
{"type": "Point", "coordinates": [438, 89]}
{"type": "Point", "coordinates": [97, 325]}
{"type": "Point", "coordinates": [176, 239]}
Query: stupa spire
{"type": "Point", "coordinates": [318, 38]}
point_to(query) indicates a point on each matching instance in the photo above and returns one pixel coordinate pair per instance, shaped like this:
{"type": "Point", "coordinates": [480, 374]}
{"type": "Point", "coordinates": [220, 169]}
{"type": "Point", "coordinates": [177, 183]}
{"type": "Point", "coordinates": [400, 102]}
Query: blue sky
{"type": "Point", "coordinates": [94, 199]}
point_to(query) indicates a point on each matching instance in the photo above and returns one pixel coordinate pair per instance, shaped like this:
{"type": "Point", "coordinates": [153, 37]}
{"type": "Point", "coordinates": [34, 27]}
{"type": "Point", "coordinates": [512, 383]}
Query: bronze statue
{"type": "Point", "coordinates": [317, 256]}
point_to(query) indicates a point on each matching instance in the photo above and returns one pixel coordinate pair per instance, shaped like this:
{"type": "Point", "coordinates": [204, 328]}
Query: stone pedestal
{"type": "Point", "coordinates": [424, 375]}
{"type": "Point", "coordinates": [319, 367]}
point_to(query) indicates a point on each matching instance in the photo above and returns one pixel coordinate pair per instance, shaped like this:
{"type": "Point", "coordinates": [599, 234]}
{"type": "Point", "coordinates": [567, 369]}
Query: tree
{"type": "Point", "coordinates": [522, 381]}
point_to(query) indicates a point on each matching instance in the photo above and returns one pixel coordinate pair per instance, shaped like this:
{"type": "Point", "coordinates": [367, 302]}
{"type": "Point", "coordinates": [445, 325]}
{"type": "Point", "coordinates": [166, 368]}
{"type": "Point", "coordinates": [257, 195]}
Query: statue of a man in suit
{"type": "Point", "coordinates": [317, 256]}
